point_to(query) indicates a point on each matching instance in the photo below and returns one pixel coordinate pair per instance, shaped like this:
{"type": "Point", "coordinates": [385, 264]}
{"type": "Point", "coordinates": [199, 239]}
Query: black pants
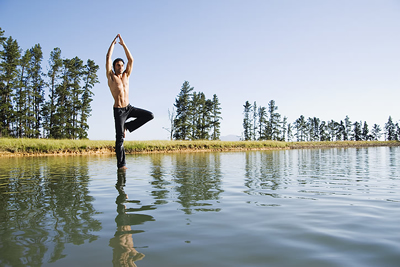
{"type": "Point", "coordinates": [120, 116]}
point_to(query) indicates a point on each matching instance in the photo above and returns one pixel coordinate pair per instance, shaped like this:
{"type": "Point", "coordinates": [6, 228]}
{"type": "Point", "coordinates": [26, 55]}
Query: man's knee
{"type": "Point", "coordinates": [150, 116]}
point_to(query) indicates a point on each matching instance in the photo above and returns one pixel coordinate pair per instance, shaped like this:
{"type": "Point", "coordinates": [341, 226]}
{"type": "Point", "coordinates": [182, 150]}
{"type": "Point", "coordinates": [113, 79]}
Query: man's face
{"type": "Point", "coordinates": [119, 67]}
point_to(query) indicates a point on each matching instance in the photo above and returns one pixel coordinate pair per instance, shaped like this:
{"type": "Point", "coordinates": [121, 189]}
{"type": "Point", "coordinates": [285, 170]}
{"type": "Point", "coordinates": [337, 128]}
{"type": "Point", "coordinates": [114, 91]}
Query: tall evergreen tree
{"type": "Point", "coordinates": [90, 78]}
{"type": "Point", "coordinates": [76, 75]}
{"type": "Point", "coordinates": [273, 124]}
{"type": "Point", "coordinates": [254, 123]}
{"type": "Point", "coordinates": [37, 88]}
{"type": "Point", "coordinates": [8, 80]}
{"type": "Point", "coordinates": [62, 121]}
{"type": "Point", "coordinates": [340, 131]}
{"type": "Point", "coordinates": [54, 74]}
{"type": "Point", "coordinates": [313, 131]}
{"type": "Point", "coordinates": [247, 127]}
{"type": "Point", "coordinates": [365, 132]}
{"type": "Point", "coordinates": [262, 122]}
{"type": "Point", "coordinates": [348, 130]}
{"type": "Point", "coordinates": [301, 128]}
{"type": "Point", "coordinates": [390, 130]}
{"type": "Point", "coordinates": [204, 121]}
{"type": "Point", "coordinates": [323, 132]}
{"type": "Point", "coordinates": [376, 132]}
{"type": "Point", "coordinates": [357, 133]}
{"type": "Point", "coordinates": [289, 133]}
{"type": "Point", "coordinates": [194, 116]}
{"type": "Point", "coordinates": [397, 135]}
{"type": "Point", "coordinates": [181, 122]}
{"type": "Point", "coordinates": [284, 129]}
{"type": "Point", "coordinates": [22, 128]}
{"type": "Point", "coordinates": [215, 118]}
{"type": "Point", "coordinates": [332, 129]}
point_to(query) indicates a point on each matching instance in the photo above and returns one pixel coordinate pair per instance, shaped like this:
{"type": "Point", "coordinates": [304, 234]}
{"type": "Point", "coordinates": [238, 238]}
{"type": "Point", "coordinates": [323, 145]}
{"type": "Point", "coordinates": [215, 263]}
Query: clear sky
{"type": "Point", "coordinates": [326, 59]}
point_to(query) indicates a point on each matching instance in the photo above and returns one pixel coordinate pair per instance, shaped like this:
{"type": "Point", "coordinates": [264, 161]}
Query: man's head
{"type": "Point", "coordinates": [118, 66]}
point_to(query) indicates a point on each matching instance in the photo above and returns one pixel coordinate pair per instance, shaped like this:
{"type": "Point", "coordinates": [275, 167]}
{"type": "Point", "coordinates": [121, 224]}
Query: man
{"type": "Point", "coordinates": [118, 81]}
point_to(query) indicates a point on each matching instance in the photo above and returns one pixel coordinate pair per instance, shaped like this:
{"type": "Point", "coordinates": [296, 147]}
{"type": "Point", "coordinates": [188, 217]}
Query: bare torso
{"type": "Point", "coordinates": [119, 87]}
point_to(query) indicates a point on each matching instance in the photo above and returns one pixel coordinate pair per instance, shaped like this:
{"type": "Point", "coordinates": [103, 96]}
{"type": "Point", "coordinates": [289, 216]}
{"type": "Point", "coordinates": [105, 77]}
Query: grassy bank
{"type": "Point", "coordinates": [22, 146]}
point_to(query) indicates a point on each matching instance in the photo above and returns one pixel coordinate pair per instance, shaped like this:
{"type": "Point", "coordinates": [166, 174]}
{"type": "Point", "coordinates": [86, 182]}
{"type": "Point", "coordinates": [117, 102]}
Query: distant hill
{"type": "Point", "coordinates": [230, 137]}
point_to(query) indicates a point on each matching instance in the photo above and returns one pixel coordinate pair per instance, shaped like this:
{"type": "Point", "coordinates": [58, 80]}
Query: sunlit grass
{"type": "Point", "coordinates": [52, 146]}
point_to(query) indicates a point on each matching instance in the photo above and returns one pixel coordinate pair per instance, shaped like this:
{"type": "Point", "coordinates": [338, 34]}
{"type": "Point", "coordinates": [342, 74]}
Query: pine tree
{"type": "Point", "coordinates": [332, 129]}
{"type": "Point", "coordinates": [204, 111]}
{"type": "Point", "coordinates": [284, 129]}
{"type": "Point", "coordinates": [22, 129]}
{"type": "Point", "coordinates": [247, 121]}
{"type": "Point", "coordinates": [340, 131]}
{"type": "Point", "coordinates": [262, 122]}
{"type": "Point", "coordinates": [347, 131]}
{"type": "Point", "coordinates": [8, 80]}
{"type": "Point", "coordinates": [181, 121]}
{"type": "Point", "coordinates": [76, 73]}
{"type": "Point", "coordinates": [390, 130]}
{"type": "Point", "coordinates": [90, 79]}
{"type": "Point", "coordinates": [194, 116]}
{"type": "Point", "coordinates": [254, 123]}
{"type": "Point", "coordinates": [49, 110]}
{"type": "Point", "coordinates": [272, 131]}
{"type": "Point", "coordinates": [215, 118]}
{"type": "Point", "coordinates": [365, 132]}
{"type": "Point", "coordinates": [357, 133]}
{"type": "Point", "coordinates": [37, 89]}
{"type": "Point", "coordinates": [313, 128]}
{"type": "Point", "coordinates": [323, 133]}
{"type": "Point", "coordinates": [289, 133]}
{"type": "Point", "coordinates": [376, 132]}
{"type": "Point", "coordinates": [2, 39]}
{"type": "Point", "coordinates": [301, 128]}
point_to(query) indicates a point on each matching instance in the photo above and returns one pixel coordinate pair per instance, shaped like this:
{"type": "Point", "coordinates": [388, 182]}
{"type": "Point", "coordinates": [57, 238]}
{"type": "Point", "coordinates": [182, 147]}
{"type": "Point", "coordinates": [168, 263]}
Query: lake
{"type": "Point", "coordinates": [308, 207]}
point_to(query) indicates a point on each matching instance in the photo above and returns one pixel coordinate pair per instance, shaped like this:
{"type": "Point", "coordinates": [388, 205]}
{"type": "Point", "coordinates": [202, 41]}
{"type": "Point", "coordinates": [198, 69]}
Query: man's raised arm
{"type": "Point", "coordinates": [109, 65]}
{"type": "Point", "coordinates": [129, 65]}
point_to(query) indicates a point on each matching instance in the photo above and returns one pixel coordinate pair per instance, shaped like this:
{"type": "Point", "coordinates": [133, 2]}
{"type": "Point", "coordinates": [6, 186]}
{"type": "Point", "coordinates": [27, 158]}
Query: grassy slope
{"type": "Point", "coordinates": [10, 146]}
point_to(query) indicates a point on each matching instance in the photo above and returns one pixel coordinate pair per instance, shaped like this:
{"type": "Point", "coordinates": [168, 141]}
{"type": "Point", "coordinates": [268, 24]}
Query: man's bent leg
{"type": "Point", "coordinates": [142, 116]}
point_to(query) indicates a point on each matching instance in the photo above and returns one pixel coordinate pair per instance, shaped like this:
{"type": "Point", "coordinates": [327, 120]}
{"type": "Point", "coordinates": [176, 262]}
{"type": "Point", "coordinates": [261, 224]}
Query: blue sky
{"type": "Point", "coordinates": [326, 59]}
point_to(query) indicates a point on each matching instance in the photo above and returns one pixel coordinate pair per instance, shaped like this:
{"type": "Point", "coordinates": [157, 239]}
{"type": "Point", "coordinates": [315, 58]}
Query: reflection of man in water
{"type": "Point", "coordinates": [124, 253]}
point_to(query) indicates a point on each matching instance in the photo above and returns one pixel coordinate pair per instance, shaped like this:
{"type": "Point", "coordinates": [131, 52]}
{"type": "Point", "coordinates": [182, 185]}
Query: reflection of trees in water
{"type": "Point", "coordinates": [45, 204]}
{"type": "Point", "coordinates": [124, 252]}
{"type": "Point", "coordinates": [265, 172]}
{"type": "Point", "coordinates": [199, 179]}
{"type": "Point", "coordinates": [159, 183]}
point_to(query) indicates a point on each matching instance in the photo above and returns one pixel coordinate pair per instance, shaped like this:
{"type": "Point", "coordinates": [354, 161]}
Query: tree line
{"type": "Point", "coordinates": [195, 117]}
{"type": "Point", "coordinates": [265, 123]}
{"type": "Point", "coordinates": [24, 109]}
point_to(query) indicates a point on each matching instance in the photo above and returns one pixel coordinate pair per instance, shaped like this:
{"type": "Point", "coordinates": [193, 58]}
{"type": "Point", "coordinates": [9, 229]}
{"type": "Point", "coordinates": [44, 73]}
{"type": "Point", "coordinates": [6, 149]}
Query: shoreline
{"type": "Point", "coordinates": [49, 147]}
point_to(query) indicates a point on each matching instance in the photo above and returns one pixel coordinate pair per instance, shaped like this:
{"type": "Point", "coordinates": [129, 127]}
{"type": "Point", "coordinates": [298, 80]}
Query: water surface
{"type": "Point", "coordinates": [321, 207]}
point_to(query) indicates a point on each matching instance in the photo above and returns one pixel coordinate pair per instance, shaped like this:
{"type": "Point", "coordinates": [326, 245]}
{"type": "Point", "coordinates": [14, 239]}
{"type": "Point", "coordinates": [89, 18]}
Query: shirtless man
{"type": "Point", "coordinates": [118, 81]}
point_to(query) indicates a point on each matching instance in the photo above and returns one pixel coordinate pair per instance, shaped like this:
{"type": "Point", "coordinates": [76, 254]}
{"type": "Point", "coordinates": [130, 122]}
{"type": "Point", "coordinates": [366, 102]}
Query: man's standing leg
{"type": "Point", "coordinates": [119, 118]}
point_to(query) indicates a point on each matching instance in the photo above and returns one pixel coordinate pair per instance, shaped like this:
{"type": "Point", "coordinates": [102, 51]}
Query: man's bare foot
{"type": "Point", "coordinates": [122, 168]}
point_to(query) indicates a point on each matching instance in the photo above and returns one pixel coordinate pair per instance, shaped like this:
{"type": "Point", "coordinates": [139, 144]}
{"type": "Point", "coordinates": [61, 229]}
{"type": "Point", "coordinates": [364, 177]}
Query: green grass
{"type": "Point", "coordinates": [50, 146]}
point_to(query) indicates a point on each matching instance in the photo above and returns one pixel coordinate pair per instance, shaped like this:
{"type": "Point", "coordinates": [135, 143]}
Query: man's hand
{"type": "Point", "coordinates": [115, 40]}
{"type": "Point", "coordinates": [121, 42]}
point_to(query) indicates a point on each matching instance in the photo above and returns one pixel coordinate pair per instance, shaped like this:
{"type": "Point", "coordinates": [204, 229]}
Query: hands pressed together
{"type": "Point", "coordinates": [121, 42]}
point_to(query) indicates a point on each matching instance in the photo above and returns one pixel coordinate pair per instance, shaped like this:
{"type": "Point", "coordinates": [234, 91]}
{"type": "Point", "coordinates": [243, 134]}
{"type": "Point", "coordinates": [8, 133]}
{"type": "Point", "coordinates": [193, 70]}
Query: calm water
{"type": "Point", "coordinates": [322, 207]}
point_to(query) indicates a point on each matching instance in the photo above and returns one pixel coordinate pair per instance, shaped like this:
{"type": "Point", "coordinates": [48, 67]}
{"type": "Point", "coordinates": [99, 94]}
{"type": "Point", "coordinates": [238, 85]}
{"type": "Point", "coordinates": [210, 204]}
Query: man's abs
{"type": "Point", "coordinates": [120, 93]}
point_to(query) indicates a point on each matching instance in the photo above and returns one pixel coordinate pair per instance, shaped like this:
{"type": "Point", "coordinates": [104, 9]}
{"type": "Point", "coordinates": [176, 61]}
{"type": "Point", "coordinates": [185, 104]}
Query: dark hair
{"type": "Point", "coordinates": [116, 61]}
